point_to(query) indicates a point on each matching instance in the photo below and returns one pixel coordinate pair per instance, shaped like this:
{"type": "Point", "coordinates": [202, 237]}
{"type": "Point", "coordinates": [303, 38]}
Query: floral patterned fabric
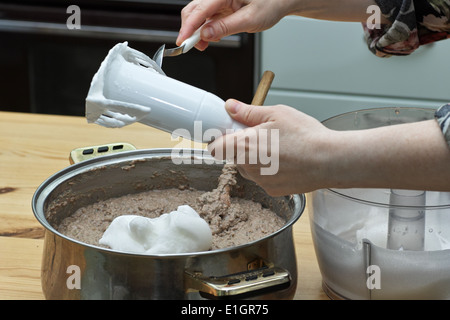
{"type": "Point", "coordinates": [412, 23]}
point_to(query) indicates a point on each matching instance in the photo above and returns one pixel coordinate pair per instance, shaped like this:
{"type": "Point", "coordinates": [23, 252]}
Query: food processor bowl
{"type": "Point", "coordinates": [381, 243]}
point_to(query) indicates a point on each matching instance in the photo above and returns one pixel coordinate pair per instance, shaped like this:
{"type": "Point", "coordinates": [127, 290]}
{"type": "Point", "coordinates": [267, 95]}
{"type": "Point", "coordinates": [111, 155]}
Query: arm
{"type": "Point", "coordinates": [311, 156]}
{"type": "Point", "coordinates": [228, 17]}
{"type": "Point", "coordinates": [406, 156]}
{"type": "Point", "coordinates": [345, 10]}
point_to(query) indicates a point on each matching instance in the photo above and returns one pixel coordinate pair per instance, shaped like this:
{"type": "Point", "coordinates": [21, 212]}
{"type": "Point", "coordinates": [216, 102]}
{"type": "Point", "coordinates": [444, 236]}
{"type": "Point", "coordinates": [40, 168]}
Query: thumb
{"type": "Point", "coordinates": [248, 114]}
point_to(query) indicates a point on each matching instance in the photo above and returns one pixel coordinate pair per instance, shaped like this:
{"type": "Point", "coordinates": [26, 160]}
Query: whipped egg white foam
{"type": "Point", "coordinates": [103, 106]}
{"type": "Point", "coordinates": [179, 231]}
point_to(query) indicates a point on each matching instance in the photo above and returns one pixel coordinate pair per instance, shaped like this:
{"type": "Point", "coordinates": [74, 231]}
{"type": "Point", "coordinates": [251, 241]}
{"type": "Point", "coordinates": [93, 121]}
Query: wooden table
{"type": "Point", "coordinates": [32, 148]}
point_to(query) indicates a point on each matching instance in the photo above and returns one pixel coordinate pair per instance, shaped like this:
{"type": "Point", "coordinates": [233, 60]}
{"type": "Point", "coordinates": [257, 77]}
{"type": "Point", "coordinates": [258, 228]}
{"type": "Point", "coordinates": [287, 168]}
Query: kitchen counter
{"type": "Point", "coordinates": [32, 148]}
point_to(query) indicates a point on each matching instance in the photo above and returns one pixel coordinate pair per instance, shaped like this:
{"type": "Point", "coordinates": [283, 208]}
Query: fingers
{"type": "Point", "coordinates": [224, 18]}
{"type": "Point", "coordinates": [194, 15]}
{"type": "Point", "coordinates": [224, 147]}
{"type": "Point", "coordinates": [220, 28]}
{"type": "Point", "coordinates": [248, 114]}
{"type": "Point", "coordinates": [237, 146]}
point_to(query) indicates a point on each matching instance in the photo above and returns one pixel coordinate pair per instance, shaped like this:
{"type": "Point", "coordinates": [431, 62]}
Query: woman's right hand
{"type": "Point", "coordinates": [227, 17]}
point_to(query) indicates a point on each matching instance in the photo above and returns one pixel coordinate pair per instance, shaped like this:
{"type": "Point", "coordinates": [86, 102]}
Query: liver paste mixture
{"type": "Point", "coordinates": [233, 221]}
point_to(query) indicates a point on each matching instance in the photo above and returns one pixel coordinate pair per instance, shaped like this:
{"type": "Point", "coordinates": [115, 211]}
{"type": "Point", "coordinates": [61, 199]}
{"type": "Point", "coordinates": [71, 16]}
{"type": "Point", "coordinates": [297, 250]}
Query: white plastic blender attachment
{"type": "Point", "coordinates": [107, 112]}
{"type": "Point", "coordinates": [129, 88]}
{"type": "Point", "coordinates": [406, 225]}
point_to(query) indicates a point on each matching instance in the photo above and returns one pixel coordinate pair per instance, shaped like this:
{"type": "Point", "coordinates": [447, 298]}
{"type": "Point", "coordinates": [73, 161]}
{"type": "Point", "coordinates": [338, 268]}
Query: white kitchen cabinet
{"type": "Point", "coordinates": [324, 68]}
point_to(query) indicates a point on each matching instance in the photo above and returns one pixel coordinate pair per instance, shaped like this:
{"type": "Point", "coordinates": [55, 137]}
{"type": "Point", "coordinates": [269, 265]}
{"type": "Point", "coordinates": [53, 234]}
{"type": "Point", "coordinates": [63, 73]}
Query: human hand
{"type": "Point", "coordinates": [281, 150]}
{"type": "Point", "coordinates": [226, 17]}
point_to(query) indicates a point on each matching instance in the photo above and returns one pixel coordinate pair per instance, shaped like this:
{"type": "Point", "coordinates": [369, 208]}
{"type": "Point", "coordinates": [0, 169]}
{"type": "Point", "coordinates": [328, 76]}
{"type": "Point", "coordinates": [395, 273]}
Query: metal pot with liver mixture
{"type": "Point", "coordinates": [252, 252]}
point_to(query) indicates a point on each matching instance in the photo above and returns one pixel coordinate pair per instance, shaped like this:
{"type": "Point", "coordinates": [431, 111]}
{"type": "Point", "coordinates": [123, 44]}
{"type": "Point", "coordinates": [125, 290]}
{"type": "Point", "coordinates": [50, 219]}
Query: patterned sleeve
{"type": "Point", "coordinates": [443, 118]}
{"type": "Point", "coordinates": [412, 24]}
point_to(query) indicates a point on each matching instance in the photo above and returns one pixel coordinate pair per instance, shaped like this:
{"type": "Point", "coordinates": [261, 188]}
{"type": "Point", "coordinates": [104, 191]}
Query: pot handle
{"type": "Point", "coordinates": [238, 285]}
{"type": "Point", "coordinates": [85, 153]}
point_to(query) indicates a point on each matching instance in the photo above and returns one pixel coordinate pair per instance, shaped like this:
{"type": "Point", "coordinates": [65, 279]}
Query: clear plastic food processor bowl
{"type": "Point", "coordinates": [381, 243]}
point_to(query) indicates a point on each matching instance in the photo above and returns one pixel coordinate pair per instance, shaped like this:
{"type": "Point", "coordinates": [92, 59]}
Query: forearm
{"type": "Point", "coordinates": [407, 156]}
{"type": "Point", "coordinates": [344, 10]}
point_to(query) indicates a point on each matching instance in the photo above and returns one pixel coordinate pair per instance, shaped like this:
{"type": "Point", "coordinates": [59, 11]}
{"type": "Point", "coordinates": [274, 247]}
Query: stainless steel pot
{"type": "Point", "coordinates": [265, 268]}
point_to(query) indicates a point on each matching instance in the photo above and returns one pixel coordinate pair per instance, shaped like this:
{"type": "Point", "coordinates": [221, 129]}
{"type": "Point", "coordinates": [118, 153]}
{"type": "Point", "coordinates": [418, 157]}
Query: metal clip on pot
{"type": "Point", "coordinates": [85, 153]}
{"type": "Point", "coordinates": [239, 285]}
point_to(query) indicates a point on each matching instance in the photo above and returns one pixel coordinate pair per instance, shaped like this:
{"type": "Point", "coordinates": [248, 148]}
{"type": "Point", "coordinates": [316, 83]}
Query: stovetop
{"type": "Point", "coordinates": [90, 3]}
{"type": "Point", "coordinates": [145, 14]}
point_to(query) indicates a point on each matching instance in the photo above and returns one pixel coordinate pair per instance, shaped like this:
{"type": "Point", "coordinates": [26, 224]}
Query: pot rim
{"type": "Point", "coordinates": [57, 178]}
{"type": "Point", "coordinates": [396, 110]}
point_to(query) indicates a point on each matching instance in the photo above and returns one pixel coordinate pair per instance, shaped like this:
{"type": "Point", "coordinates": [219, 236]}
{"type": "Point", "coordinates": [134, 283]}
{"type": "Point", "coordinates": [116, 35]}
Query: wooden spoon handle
{"type": "Point", "coordinates": [263, 88]}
